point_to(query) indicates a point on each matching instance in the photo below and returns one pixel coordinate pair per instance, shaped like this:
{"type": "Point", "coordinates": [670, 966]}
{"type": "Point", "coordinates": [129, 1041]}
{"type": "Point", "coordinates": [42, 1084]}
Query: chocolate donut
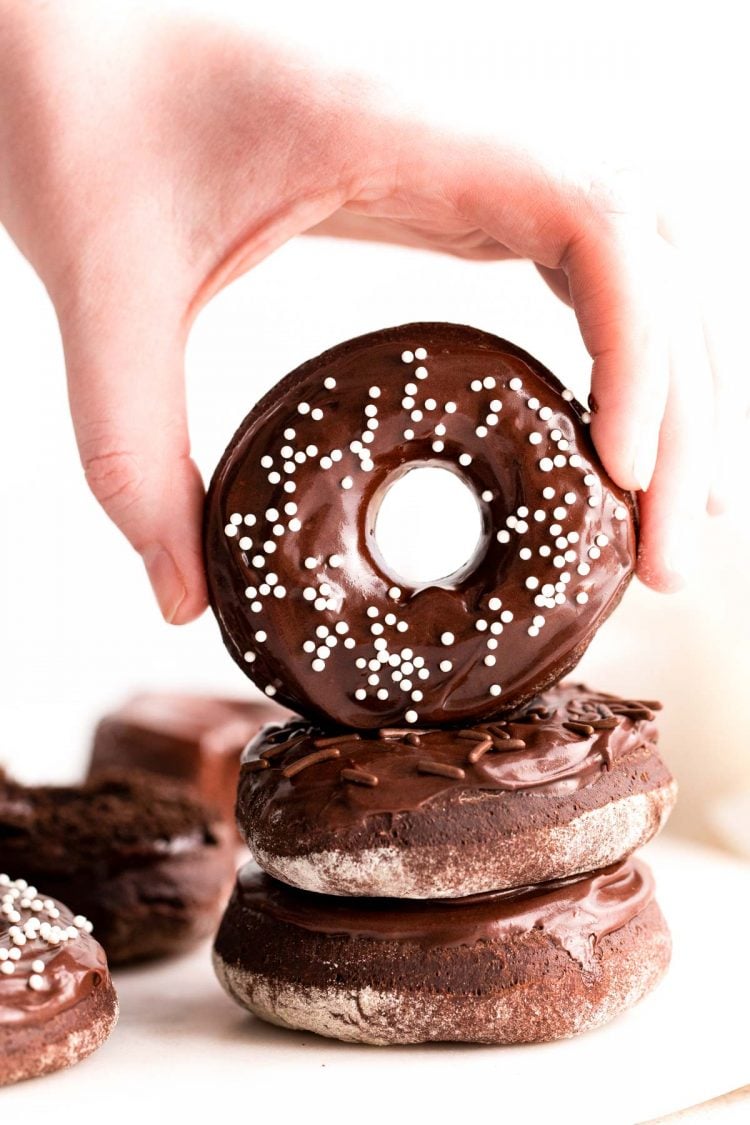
{"type": "Point", "coordinates": [569, 783]}
{"type": "Point", "coordinates": [306, 604]}
{"type": "Point", "coordinates": [148, 864]}
{"type": "Point", "coordinates": [509, 967]}
{"type": "Point", "coordinates": [57, 1002]}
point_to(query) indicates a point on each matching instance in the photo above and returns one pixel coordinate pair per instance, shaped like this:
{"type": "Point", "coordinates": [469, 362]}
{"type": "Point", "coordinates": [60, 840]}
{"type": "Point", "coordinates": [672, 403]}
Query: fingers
{"type": "Point", "coordinates": [673, 509]}
{"type": "Point", "coordinates": [127, 400]}
{"type": "Point", "coordinates": [617, 289]}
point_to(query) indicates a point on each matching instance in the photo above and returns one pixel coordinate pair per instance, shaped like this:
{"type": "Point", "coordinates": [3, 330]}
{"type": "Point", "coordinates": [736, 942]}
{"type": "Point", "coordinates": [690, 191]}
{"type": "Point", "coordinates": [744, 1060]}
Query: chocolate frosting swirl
{"type": "Point", "coordinates": [306, 604]}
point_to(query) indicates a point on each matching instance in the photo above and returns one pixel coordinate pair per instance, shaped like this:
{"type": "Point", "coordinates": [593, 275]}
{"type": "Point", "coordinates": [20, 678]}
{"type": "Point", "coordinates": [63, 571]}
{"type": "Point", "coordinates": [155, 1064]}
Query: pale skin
{"type": "Point", "coordinates": [148, 160]}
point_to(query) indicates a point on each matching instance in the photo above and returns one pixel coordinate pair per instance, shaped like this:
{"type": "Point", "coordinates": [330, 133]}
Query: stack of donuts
{"type": "Point", "coordinates": [444, 837]}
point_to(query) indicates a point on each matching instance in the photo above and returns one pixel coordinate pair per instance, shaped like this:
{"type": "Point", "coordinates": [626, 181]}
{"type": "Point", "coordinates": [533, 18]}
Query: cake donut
{"type": "Point", "coordinates": [570, 782]}
{"type": "Point", "coordinates": [147, 863]}
{"type": "Point", "coordinates": [57, 1002]}
{"type": "Point", "coordinates": [518, 966]}
{"type": "Point", "coordinates": [305, 602]}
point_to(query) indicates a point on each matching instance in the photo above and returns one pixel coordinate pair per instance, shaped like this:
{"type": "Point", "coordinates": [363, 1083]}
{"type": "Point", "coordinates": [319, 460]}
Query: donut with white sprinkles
{"type": "Point", "coordinates": [306, 604]}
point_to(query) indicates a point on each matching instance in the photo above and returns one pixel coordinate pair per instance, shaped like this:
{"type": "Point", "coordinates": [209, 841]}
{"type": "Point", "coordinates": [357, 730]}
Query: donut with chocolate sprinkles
{"type": "Point", "coordinates": [522, 966]}
{"type": "Point", "coordinates": [570, 782]}
{"type": "Point", "coordinates": [307, 605]}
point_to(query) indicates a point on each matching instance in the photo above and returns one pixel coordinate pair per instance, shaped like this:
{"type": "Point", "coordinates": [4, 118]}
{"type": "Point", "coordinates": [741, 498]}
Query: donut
{"type": "Point", "coordinates": [518, 966]}
{"type": "Point", "coordinates": [193, 739]}
{"type": "Point", "coordinates": [148, 864]}
{"type": "Point", "coordinates": [306, 604]}
{"type": "Point", "coordinates": [57, 1002]}
{"type": "Point", "coordinates": [570, 782]}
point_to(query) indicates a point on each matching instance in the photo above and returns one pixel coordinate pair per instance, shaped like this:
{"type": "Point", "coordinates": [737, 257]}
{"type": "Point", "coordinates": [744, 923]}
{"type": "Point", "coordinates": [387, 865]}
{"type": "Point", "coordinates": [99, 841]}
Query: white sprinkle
{"type": "Point", "coordinates": [407, 357]}
{"type": "Point", "coordinates": [325, 462]}
{"type": "Point", "coordinates": [417, 415]}
{"type": "Point", "coordinates": [295, 524]}
{"type": "Point", "coordinates": [245, 543]}
{"type": "Point", "coordinates": [487, 496]}
{"type": "Point", "coordinates": [567, 394]}
{"type": "Point", "coordinates": [495, 604]}
{"type": "Point", "coordinates": [440, 429]}
{"type": "Point", "coordinates": [496, 628]}
{"type": "Point", "coordinates": [488, 382]}
{"type": "Point", "coordinates": [350, 642]}
{"type": "Point", "coordinates": [533, 404]}
{"type": "Point", "coordinates": [495, 689]}
{"type": "Point", "coordinates": [491, 419]}
{"type": "Point", "coordinates": [582, 598]}
{"type": "Point", "coordinates": [560, 460]}
{"type": "Point", "coordinates": [525, 553]}
{"type": "Point", "coordinates": [438, 446]}
{"type": "Point", "coordinates": [503, 536]}
{"type": "Point", "coordinates": [318, 665]}
{"type": "Point", "coordinates": [382, 693]}
{"type": "Point", "coordinates": [574, 461]}
{"type": "Point", "coordinates": [546, 465]}
{"type": "Point", "coordinates": [420, 372]}
{"type": "Point", "coordinates": [420, 353]}
{"type": "Point", "coordinates": [515, 384]}
{"type": "Point", "coordinates": [620, 513]}
{"type": "Point", "coordinates": [411, 716]}
{"type": "Point", "coordinates": [589, 479]}
{"type": "Point", "coordinates": [532, 631]}
{"type": "Point", "coordinates": [560, 513]}
{"type": "Point", "coordinates": [270, 689]}
{"type": "Point", "coordinates": [402, 627]}
{"type": "Point", "coordinates": [260, 637]}
{"type": "Point", "coordinates": [446, 666]}
{"type": "Point", "coordinates": [317, 414]}
{"type": "Point", "coordinates": [373, 611]}
{"type": "Point", "coordinates": [329, 383]}
{"type": "Point", "coordinates": [37, 966]}
{"type": "Point", "coordinates": [360, 693]}
{"type": "Point", "coordinates": [303, 408]}
{"type": "Point", "coordinates": [409, 434]}
{"type": "Point", "coordinates": [535, 438]}
{"type": "Point", "coordinates": [476, 385]}
{"type": "Point", "coordinates": [545, 413]}
{"type": "Point", "coordinates": [481, 431]}
{"type": "Point", "coordinates": [465, 459]}
{"type": "Point", "coordinates": [309, 594]}
{"type": "Point", "coordinates": [496, 405]}
{"type": "Point", "coordinates": [394, 592]}
{"type": "Point", "coordinates": [447, 638]}
{"type": "Point", "coordinates": [506, 616]}
{"type": "Point", "coordinates": [490, 661]}
{"type": "Point", "coordinates": [256, 607]}
{"type": "Point", "coordinates": [585, 417]}
{"type": "Point", "coordinates": [347, 482]}
{"type": "Point", "coordinates": [230, 530]}
{"type": "Point", "coordinates": [430, 404]}
{"type": "Point", "coordinates": [450, 408]}
{"type": "Point", "coordinates": [374, 392]}
{"type": "Point", "coordinates": [371, 410]}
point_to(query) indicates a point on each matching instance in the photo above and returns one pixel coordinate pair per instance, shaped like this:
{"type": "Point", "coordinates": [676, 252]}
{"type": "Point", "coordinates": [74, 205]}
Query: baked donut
{"type": "Point", "coordinates": [509, 967]}
{"type": "Point", "coordinates": [147, 863]}
{"type": "Point", "coordinates": [569, 783]}
{"type": "Point", "coordinates": [57, 1002]}
{"type": "Point", "coordinates": [307, 605]}
{"type": "Point", "coordinates": [193, 739]}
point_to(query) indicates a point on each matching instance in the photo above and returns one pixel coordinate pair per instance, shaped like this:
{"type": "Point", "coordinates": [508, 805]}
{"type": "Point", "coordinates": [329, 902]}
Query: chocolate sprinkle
{"type": "Point", "coordinates": [441, 769]}
{"type": "Point", "coordinates": [310, 760]}
{"type": "Point", "coordinates": [336, 740]}
{"type": "Point", "coordinates": [359, 777]}
{"type": "Point", "coordinates": [579, 728]}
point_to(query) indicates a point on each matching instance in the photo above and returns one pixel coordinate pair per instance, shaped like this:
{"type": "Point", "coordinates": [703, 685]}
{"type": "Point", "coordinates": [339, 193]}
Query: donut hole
{"type": "Point", "coordinates": [426, 526]}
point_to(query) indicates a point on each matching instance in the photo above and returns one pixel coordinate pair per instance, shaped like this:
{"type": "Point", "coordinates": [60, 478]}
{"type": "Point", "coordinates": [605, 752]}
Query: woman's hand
{"type": "Point", "coordinates": [147, 160]}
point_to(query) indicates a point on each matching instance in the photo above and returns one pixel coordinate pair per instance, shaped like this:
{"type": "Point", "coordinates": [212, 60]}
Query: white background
{"type": "Point", "coordinates": [664, 84]}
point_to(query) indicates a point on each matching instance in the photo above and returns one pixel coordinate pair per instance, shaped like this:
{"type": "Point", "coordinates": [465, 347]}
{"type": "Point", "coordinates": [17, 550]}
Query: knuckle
{"type": "Point", "coordinates": [115, 478]}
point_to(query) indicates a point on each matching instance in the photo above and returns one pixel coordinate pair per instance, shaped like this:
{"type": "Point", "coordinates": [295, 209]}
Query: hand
{"type": "Point", "coordinates": [146, 161]}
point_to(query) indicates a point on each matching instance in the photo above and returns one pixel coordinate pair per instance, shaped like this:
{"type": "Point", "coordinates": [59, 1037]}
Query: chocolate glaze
{"type": "Point", "coordinates": [290, 488]}
{"type": "Point", "coordinates": [575, 912]}
{"type": "Point", "coordinates": [194, 739]}
{"type": "Point", "coordinates": [556, 761]}
{"type": "Point", "coordinates": [72, 971]}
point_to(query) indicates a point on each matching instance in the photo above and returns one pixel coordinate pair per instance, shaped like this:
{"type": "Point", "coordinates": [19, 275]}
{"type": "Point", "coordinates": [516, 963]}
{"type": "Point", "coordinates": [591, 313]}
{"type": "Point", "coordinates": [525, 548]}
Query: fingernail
{"type": "Point", "coordinates": [644, 463]}
{"type": "Point", "coordinates": [165, 579]}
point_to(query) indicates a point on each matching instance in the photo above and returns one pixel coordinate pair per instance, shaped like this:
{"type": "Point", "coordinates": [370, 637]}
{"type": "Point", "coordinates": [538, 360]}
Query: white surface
{"type": "Point", "coordinates": [183, 1046]}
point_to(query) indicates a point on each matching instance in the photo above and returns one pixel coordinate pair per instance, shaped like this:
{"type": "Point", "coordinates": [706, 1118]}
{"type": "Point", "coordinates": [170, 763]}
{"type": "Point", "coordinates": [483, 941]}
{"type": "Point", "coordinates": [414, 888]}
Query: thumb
{"type": "Point", "coordinates": [127, 399]}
